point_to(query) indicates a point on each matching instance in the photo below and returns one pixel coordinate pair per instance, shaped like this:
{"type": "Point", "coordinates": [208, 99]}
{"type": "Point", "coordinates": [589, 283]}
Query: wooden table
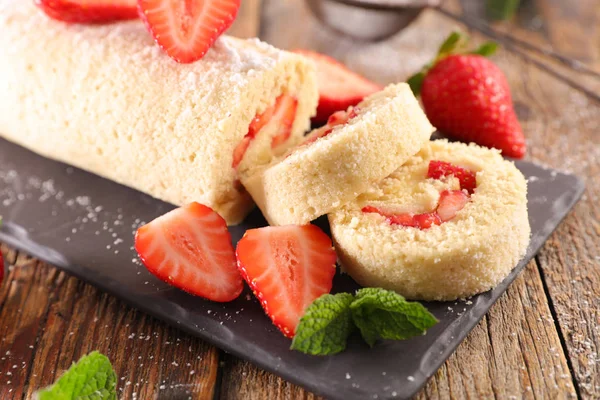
{"type": "Point", "coordinates": [541, 340]}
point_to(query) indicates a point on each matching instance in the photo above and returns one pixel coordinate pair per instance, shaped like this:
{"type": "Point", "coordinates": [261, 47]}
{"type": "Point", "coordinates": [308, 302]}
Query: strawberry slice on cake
{"type": "Point", "coordinates": [282, 115]}
{"type": "Point", "coordinates": [185, 30]}
{"type": "Point", "coordinates": [89, 11]}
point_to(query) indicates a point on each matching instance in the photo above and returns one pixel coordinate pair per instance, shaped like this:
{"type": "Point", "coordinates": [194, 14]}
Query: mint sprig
{"type": "Point", "coordinates": [325, 326]}
{"type": "Point", "coordinates": [383, 314]}
{"type": "Point", "coordinates": [377, 313]}
{"type": "Point", "coordinates": [91, 378]}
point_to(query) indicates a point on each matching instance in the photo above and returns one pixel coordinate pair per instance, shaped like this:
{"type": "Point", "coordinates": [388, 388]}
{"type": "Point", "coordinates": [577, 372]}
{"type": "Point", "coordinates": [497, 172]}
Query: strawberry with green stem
{"type": "Point", "coordinates": [467, 97]}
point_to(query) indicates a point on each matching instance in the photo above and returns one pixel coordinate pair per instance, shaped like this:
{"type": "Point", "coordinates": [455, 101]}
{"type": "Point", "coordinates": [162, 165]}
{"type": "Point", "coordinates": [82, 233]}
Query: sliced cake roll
{"type": "Point", "coordinates": [108, 100]}
{"type": "Point", "coordinates": [356, 149]}
{"type": "Point", "coordinates": [450, 223]}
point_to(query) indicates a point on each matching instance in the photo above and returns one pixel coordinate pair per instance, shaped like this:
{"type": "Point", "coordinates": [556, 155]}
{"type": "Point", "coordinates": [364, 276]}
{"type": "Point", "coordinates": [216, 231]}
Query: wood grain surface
{"type": "Point", "coordinates": [540, 341]}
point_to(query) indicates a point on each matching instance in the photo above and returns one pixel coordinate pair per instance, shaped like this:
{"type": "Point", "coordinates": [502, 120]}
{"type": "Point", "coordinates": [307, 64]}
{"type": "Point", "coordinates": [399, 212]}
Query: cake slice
{"type": "Point", "coordinates": [450, 223]}
{"type": "Point", "coordinates": [356, 149]}
{"type": "Point", "coordinates": [107, 99]}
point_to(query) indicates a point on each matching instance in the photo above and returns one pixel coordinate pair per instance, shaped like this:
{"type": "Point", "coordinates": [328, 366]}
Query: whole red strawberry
{"type": "Point", "coordinates": [467, 97]}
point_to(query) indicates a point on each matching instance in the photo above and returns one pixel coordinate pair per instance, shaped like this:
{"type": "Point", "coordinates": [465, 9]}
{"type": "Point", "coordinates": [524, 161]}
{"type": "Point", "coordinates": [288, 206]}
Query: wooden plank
{"type": "Point", "coordinates": [246, 24]}
{"type": "Point", "coordinates": [513, 352]}
{"type": "Point", "coordinates": [49, 319]}
{"type": "Point", "coordinates": [567, 29]}
{"type": "Point", "coordinates": [569, 264]}
{"type": "Point", "coordinates": [562, 128]}
{"type": "Point", "coordinates": [24, 299]}
{"type": "Point", "coordinates": [244, 381]}
{"type": "Point", "coordinates": [573, 29]}
{"type": "Point", "coordinates": [492, 361]}
{"type": "Point", "coordinates": [571, 258]}
{"type": "Point", "coordinates": [563, 37]}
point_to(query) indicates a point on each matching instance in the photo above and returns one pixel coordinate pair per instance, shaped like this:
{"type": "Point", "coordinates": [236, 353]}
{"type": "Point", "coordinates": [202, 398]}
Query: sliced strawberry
{"type": "Point", "coordinates": [89, 11]}
{"type": "Point", "coordinates": [339, 87]}
{"type": "Point", "coordinates": [261, 120]}
{"type": "Point", "coordinates": [451, 202]}
{"type": "Point", "coordinates": [427, 220]}
{"type": "Point", "coordinates": [317, 134]}
{"type": "Point", "coordinates": [283, 113]}
{"type": "Point", "coordinates": [337, 118]}
{"type": "Point", "coordinates": [190, 248]}
{"type": "Point", "coordinates": [372, 209]}
{"type": "Point", "coordinates": [439, 169]}
{"type": "Point", "coordinates": [421, 221]}
{"type": "Point", "coordinates": [401, 219]}
{"type": "Point", "coordinates": [187, 29]}
{"type": "Point", "coordinates": [240, 150]}
{"type": "Point", "coordinates": [341, 117]}
{"type": "Point", "coordinates": [287, 268]}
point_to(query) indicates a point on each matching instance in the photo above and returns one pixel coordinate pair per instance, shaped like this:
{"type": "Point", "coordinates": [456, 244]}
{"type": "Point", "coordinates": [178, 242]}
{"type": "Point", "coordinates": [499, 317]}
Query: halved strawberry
{"type": "Point", "coordinates": [338, 86]}
{"type": "Point", "coordinates": [451, 202]}
{"type": "Point", "coordinates": [190, 248]}
{"type": "Point", "coordinates": [421, 221]}
{"type": "Point", "coordinates": [287, 268]}
{"type": "Point", "coordinates": [89, 11]}
{"type": "Point", "coordinates": [187, 29]}
{"type": "Point", "coordinates": [438, 169]}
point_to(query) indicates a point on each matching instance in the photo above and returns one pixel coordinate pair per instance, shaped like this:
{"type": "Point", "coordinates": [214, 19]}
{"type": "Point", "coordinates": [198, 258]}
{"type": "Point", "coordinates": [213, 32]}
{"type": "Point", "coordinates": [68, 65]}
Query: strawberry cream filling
{"type": "Point", "coordinates": [449, 204]}
{"type": "Point", "coordinates": [335, 119]}
{"type": "Point", "coordinates": [282, 113]}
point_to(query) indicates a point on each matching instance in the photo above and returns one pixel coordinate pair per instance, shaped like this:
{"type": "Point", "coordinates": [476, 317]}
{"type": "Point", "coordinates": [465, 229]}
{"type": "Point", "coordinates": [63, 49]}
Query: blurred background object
{"type": "Point", "coordinates": [501, 10]}
{"type": "Point", "coordinates": [369, 19]}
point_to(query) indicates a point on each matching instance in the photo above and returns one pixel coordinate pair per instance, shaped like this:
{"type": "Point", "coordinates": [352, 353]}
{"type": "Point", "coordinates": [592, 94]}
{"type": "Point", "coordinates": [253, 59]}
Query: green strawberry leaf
{"type": "Point", "coordinates": [451, 43]}
{"type": "Point", "coordinates": [325, 326]}
{"type": "Point", "coordinates": [384, 314]}
{"type": "Point", "coordinates": [416, 82]}
{"type": "Point", "coordinates": [91, 378]}
{"type": "Point", "coordinates": [487, 49]}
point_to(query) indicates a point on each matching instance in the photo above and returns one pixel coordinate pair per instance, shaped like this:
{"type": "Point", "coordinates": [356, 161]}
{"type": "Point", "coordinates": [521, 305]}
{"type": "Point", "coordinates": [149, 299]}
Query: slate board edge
{"type": "Point", "coordinates": [461, 331]}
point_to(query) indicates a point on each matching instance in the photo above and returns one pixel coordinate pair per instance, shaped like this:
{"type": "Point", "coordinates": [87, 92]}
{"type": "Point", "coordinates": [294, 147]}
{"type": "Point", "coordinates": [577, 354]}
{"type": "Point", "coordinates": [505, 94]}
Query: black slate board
{"type": "Point", "coordinates": [84, 224]}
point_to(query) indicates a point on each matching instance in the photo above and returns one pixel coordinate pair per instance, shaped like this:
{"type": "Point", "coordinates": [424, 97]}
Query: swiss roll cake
{"type": "Point", "coordinates": [450, 223]}
{"type": "Point", "coordinates": [334, 164]}
{"type": "Point", "coordinates": [107, 99]}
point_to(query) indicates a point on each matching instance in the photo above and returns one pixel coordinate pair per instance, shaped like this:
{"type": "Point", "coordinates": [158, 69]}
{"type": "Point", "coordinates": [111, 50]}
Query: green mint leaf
{"type": "Point", "coordinates": [325, 326]}
{"type": "Point", "coordinates": [384, 314]}
{"type": "Point", "coordinates": [91, 378]}
{"type": "Point", "coordinates": [486, 49]}
{"type": "Point", "coordinates": [451, 43]}
{"type": "Point", "coordinates": [416, 81]}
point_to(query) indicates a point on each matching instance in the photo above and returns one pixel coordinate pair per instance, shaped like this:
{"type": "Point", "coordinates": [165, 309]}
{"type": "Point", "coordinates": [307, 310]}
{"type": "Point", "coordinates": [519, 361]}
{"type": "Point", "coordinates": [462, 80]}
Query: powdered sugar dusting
{"type": "Point", "coordinates": [89, 216]}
